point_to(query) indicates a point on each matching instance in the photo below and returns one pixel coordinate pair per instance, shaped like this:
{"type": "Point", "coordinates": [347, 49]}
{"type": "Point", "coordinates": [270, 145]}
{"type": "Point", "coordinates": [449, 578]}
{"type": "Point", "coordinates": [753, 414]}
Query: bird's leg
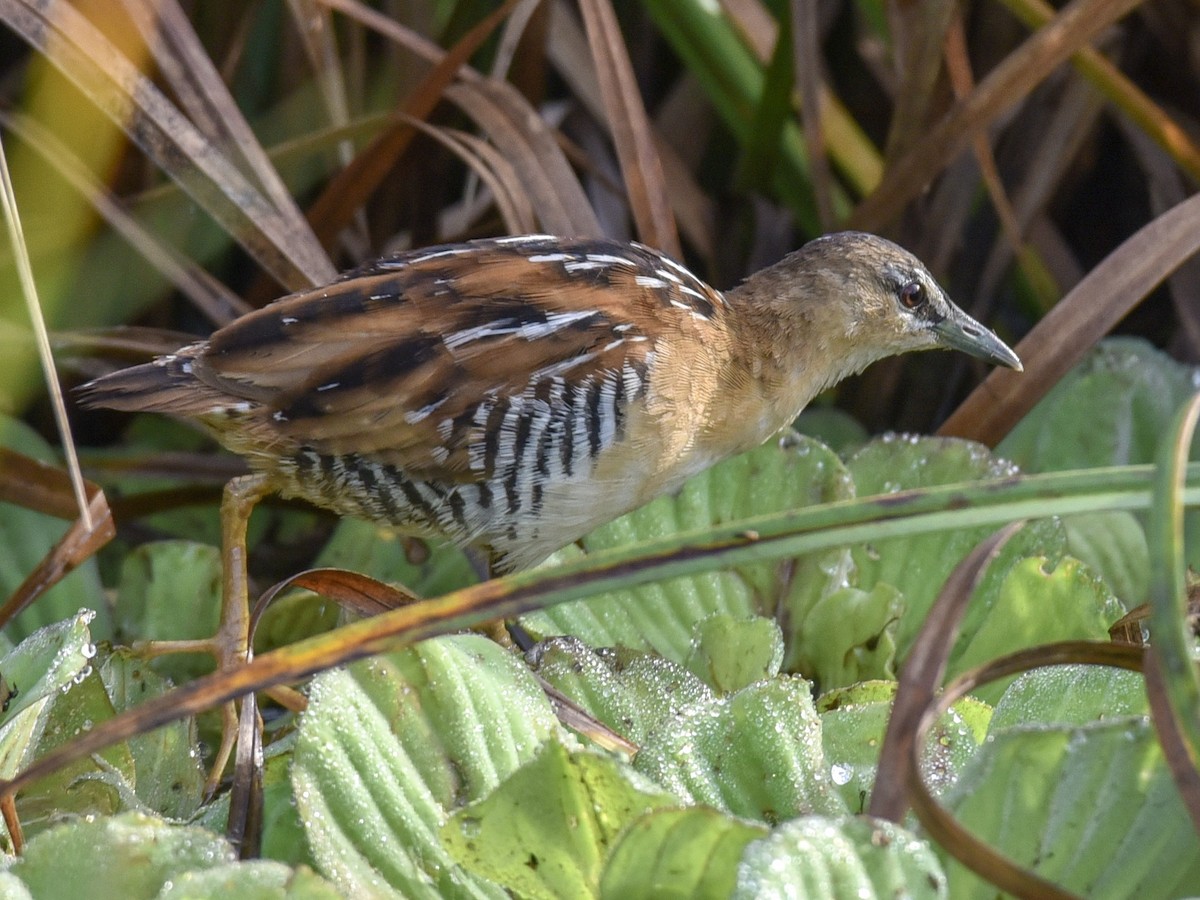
{"type": "Point", "coordinates": [231, 643]}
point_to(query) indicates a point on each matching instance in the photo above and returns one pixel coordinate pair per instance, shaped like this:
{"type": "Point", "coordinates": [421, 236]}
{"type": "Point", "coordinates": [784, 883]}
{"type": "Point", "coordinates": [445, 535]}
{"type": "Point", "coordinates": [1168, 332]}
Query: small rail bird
{"type": "Point", "coordinates": [515, 393]}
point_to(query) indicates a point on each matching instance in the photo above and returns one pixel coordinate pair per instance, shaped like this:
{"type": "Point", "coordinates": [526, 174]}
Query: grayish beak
{"type": "Point", "coordinates": [958, 331]}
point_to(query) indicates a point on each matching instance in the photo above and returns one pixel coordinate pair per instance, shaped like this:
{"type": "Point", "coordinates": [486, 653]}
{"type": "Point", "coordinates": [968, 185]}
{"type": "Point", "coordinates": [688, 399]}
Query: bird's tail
{"type": "Point", "coordinates": [166, 385]}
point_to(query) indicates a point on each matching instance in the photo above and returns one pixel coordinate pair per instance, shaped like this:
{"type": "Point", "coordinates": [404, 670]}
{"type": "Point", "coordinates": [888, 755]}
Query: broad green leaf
{"type": "Point", "coordinates": [729, 654]}
{"type": "Point", "coordinates": [755, 754]}
{"type": "Point", "coordinates": [853, 722]}
{"type": "Point", "coordinates": [1071, 695]}
{"type": "Point", "coordinates": [169, 772]}
{"type": "Point", "coordinates": [1036, 604]}
{"type": "Point", "coordinates": [27, 536]}
{"type": "Point", "coordinates": [1111, 409]}
{"type": "Point", "coordinates": [390, 746]}
{"type": "Point", "coordinates": [630, 691]}
{"type": "Point", "coordinates": [1114, 545]}
{"type": "Point", "coordinates": [835, 428]}
{"type": "Point", "coordinates": [258, 879]}
{"type": "Point", "coordinates": [848, 636]}
{"type": "Point", "coordinates": [678, 853]}
{"type": "Point", "coordinates": [45, 664]}
{"type": "Point", "coordinates": [100, 784]}
{"type": "Point", "coordinates": [793, 472]}
{"type": "Point", "coordinates": [1091, 808]}
{"type": "Point", "coordinates": [283, 835]}
{"type": "Point", "coordinates": [58, 696]}
{"type": "Point", "coordinates": [833, 858]}
{"type": "Point", "coordinates": [169, 591]}
{"type": "Point", "coordinates": [545, 831]}
{"type": "Point", "coordinates": [131, 856]}
{"type": "Point", "coordinates": [919, 566]}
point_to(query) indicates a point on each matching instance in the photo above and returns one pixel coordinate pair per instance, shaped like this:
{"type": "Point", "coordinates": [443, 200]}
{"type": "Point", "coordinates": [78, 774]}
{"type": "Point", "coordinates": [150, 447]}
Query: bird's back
{"type": "Point", "coordinates": [505, 392]}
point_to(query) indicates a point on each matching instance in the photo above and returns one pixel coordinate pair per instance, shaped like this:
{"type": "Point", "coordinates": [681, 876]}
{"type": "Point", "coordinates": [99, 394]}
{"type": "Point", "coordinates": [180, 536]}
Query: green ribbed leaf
{"type": "Point", "coordinates": [132, 856]}
{"type": "Point", "coordinates": [390, 746]}
{"type": "Point", "coordinates": [755, 754]}
{"type": "Point", "coordinates": [678, 853]}
{"type": "Point", "coordinates": [662, 616]}
{"type": "Point", "coordinates": [1092, 808]}
{"type": "Point", "coordinates": [853, 722]}
{"type": "Point", "coordinates": [833, 858]}
{"type": "Point", "coordinates": [565, 807]}
{"type": "Point", "coordinates": [919, 565]}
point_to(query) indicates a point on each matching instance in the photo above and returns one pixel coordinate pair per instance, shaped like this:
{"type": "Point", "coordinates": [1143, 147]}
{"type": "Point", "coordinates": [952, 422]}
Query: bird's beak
{"type": "Point", "coordinates": [958, 331]}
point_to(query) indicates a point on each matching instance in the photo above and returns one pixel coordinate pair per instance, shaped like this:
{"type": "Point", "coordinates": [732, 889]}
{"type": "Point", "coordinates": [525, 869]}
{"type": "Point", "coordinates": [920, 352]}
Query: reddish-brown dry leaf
{"type": "Point", "coordinates": [184, 63]}
{"type": "Point", "coordinates": [346, 192]}
{"type": "Point", "coordinates": [532, 148]}
{"type": "Point", "coordinates": [30, 484]}
{"type": "Point", "coordinates": [1080, 319]}
{"type": "Point", "coordinates": [1005, 86]}
{"type": "Point", "coordinates": [632, 136]}
{"type": "Point", "coordinates": [359, 593]}
{"type": "Point", "coordinates": [692, 207]}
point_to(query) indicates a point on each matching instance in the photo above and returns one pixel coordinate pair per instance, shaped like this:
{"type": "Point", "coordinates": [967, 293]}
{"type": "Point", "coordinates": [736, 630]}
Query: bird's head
{"type": "Point", "coordinates": [845, 300]}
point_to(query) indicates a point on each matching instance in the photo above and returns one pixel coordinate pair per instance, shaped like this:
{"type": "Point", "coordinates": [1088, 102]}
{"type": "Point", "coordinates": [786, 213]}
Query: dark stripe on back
{"type": "Point", "coordinates": [619, 407]}
{"type": "Point", "coordinates": [491, 435]}
{"type": "Point", "coordinates": [458, 508]}
{"type": "Point", "coordinates": [524, 427]}
{"type": "Point", "coordinates": [415, 498]}
{"type": "Point", "coordinates": [567, 447]}
{"type": "Point", "coordinates": [593, 417]}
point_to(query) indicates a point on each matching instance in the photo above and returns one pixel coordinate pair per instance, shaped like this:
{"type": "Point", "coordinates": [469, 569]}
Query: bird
{"type": "Point", "coordinates": [511, 394]}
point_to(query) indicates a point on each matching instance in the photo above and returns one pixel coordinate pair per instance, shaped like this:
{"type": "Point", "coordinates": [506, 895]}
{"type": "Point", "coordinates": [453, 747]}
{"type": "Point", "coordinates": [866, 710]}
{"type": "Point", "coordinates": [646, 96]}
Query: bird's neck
{"type": "Point", "coordinates": [786, 349]}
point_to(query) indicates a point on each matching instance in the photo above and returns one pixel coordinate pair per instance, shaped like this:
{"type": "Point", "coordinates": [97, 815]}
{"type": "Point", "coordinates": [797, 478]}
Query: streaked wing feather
{"type": "Point", "coordinates": [425, 341]}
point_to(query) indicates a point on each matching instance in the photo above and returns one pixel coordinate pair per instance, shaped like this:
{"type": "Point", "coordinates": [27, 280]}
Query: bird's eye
{"type": "Point", "coordinates": [913, 295]}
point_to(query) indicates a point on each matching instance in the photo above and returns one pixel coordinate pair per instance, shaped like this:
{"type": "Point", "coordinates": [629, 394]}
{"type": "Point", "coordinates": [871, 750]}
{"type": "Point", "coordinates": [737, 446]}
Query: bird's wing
{"type": "Point", "coordinates": [423, 358]}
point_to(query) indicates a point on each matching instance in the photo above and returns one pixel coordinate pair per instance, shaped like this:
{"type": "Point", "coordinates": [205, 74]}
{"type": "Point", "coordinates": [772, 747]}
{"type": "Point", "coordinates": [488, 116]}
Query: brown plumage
{"type": "Point", "coordinates": [516, 393]}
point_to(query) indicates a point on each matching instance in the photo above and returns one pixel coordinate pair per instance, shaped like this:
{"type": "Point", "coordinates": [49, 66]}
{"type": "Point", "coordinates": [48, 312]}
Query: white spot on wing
{"type": "Point", "coordinates": [413, 416]}
{"type": "Point", "coordinates": [649, 281]}
{"type": "Point", "coordinates": [530, 331]}
{"type": "Point", "coordinates": [524, 239]}
{"type": "Point", "coordinates": [438, 254]}
{"type": "Point", "coordinates": [563, 367]}
{"type": "Point", "coordinates": [583, 265]}
{"type": "Point", "coordinates": [607, 259]}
